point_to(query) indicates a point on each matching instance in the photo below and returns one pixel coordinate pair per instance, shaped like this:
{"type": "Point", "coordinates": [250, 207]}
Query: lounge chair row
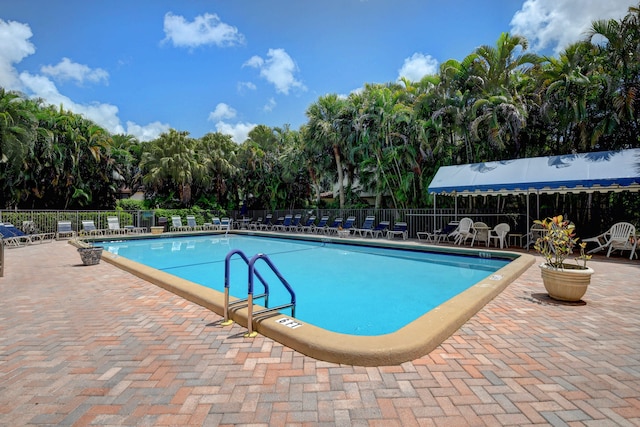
{"type": "Point", "coordinates": [89, 228]}
{"type": "Point", "coordinates": [339, 226]}
{"type": "Point", "coordinates": [192, 225]}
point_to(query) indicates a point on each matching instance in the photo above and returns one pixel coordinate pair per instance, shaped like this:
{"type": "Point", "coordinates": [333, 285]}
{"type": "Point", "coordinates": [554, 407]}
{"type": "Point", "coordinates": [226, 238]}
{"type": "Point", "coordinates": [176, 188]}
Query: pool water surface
{"type": "Point", "coordinates": [350, 289]}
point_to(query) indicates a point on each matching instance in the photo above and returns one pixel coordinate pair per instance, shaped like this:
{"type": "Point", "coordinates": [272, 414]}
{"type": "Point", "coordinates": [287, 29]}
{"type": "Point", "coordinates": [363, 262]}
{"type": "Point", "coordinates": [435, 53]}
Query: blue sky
{"type": "Point", "coordinates": [144, 66]}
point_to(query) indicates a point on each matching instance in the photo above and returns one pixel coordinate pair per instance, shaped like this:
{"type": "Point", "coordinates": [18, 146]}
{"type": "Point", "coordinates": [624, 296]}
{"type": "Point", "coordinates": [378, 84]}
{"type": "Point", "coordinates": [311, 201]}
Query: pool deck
{"type": "Point", "coordinates": [95, 345]}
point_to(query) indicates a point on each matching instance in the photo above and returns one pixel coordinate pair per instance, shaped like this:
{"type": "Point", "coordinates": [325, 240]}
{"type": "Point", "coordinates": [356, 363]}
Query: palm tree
{"type": "Point", "coordinates": [172, 161]}
{"type": "Point", "coordinates": [621, 77]}
{"type": "Point", "coordinates": [324, 132]}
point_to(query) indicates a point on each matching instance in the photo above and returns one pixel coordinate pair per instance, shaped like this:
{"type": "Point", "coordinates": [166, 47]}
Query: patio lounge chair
{"type": "Point", "coordinates": [349, 223]}
{"type": "Point", "coordinates": [13, 237]}
{"type": "Point", "coordinates": [378, 230]}
{"type": "Point", "coordinates": [333, 228]}
{"type": "Point", "coordinates": [89, 228]}
{"type": "Point", "coordinates": [620, 237]}
{"type": "Point", "coordinates": [226, 224]}
{"type": "Point", "coordinates": [255, 225]}
{"type": "Point", "coordinates": [399, 229]}
{"type": "Point", "coordinates": [366, 225]}
{"type": "Point", "coordinates": [192, 224]}
{"type": "Point", "coordinates": [437, 235]}
{"type": "Point", "coordinates": [114, 226]}
{"type": "Point", "coordinates": [65, 230]}
{"type": "Point", "coordinates": [320, 226]}
{"type": "Point", "coordinates": [29, 228]}
{"type": "Point", "coordinates": [308, 224]}
{"type": "Point", "coordinates": [267, 223]}
{"type": "Point", "coordinates": [286, 222]}
{"type": "Point", "coordinates": [176, 224]}
{"type": "Point", "coordinates": [622, 233]}
{"type": "Point", "coordinates": [295, 222]}
{"type": "Point", "coordinates": [499, 234]}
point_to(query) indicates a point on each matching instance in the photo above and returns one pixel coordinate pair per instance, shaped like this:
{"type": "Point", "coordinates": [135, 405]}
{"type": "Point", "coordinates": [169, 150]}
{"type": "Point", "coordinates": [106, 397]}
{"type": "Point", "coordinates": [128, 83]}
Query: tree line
{"type": "Point", "coordinates": [499, 102]}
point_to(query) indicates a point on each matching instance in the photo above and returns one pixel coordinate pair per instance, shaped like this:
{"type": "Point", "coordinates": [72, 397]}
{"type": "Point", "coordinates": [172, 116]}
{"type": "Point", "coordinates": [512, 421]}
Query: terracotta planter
{"type": "Point", "coordinates": [568, 284]}
{"type": "Point", "coordinates": [157, 230]}
{"type": "Point", "coordinates": [90, 256]}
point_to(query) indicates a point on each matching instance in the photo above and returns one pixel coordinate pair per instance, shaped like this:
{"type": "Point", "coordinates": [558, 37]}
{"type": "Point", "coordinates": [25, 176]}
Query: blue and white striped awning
{"type": "Point", "coordinates": [573, 173]}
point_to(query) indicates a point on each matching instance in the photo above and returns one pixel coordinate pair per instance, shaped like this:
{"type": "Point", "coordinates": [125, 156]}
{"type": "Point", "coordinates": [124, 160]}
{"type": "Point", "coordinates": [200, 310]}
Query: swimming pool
{"type": "Point", "coordinates": [411, 341]}
{"type": "Point", "coordinates": [357, 290]}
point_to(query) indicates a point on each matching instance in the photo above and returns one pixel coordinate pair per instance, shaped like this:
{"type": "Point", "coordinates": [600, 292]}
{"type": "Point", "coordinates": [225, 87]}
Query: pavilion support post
{"type": "Point", "coordinates": [434, 211]}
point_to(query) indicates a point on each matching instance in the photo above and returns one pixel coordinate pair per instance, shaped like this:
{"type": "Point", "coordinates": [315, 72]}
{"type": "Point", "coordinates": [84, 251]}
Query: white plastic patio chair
{"type": "Point", "coordinates": [620, 237]}
{"type": "Point", "coordinates": [535, 232]}
{"type": "Point", "coordinates": [621, 233]}
{"type": "Point", "coordinates": [463, 232]}
{"type": "Point", "coordinates": [499, 234]}
{"type": "Point", "coordinates": [480, 233]}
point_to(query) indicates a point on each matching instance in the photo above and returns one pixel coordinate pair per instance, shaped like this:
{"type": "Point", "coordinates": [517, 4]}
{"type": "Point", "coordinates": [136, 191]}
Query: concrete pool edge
{"type": "Point", "coordinates": [408, 343]}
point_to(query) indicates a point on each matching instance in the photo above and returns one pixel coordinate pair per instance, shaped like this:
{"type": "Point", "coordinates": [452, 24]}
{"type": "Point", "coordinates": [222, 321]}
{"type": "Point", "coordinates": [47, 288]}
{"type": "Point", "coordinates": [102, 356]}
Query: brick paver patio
{"type": "Point", "coordinates": [97, 346]}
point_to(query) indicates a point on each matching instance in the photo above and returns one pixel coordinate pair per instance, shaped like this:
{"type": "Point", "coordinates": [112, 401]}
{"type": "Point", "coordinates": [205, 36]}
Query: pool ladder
{"type": "Point", "coordinates": [252, 272]}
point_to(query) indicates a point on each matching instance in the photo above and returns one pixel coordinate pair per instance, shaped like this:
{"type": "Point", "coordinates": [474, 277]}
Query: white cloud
{"type": "Point", "coordinates": [278, 69]}
{"type": "Point", "coordinates": [238, 131]}
{"type": "Point", "coordinates": [205, 29]}
{"type": "Point", "coordinates": [418, 66]}
{"type": "Point", "coordinates": [555, 24]}
{"type": "Point", "coordinates": [222, 111]}
{"type": "Point", "coordinates": [148, 132]}
{"type": "Point", "coordinates": [68, 70]}
{"type": "Point", "coordinates": [14, 39]}
{"type": "Point", "coordinates": [270, 105]}
{"type": "Point", "coordinates": [242, 86]}
{"type": "Point", "coordinates": [105, 115]}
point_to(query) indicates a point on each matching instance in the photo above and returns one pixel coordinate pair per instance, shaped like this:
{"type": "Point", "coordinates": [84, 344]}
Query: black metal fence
{"type": "Point", "coordinates": [416, 219]}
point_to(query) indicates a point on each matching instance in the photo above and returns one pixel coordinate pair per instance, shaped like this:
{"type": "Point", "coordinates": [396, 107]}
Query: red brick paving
{"type": "Point", "coordinates": [85, 346]}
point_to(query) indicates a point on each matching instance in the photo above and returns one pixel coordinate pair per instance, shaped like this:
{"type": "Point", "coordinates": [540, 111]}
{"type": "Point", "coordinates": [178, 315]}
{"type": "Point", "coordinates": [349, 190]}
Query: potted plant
{"type": "Point", "coordinates": [90, 255]}
{"type": "Point", "coordinates": [563, 281]}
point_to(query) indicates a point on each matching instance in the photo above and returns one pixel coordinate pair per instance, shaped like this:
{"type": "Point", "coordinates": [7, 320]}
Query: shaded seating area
{"type": "Point", "coordinates": [602, 172]}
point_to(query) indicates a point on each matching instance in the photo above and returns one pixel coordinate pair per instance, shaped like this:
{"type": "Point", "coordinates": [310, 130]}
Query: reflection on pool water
{"type": "Point", "coordinates": [351, 289]}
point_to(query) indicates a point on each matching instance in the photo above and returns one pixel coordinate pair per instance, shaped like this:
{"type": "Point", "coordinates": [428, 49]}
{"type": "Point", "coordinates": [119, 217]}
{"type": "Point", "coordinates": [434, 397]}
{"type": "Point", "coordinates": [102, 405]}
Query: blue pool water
{"type": "Point", "coordinates": [357, 290]}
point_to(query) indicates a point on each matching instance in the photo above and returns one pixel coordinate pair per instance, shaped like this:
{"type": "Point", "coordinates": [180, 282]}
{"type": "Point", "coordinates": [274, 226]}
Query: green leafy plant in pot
{"type": "Point", "coordinates": [564, 282]}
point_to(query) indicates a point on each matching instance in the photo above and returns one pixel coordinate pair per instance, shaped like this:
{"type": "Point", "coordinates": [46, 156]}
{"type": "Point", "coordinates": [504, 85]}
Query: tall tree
{"type": "Point", "coordinates": [172, 161]}
{"type": "Point", "coordinates": [324, 131]}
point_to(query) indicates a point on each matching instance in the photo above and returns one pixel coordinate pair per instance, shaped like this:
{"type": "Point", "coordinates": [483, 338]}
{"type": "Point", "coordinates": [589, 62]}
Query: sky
{"type": "Point", "coordinates": [142, 67]}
